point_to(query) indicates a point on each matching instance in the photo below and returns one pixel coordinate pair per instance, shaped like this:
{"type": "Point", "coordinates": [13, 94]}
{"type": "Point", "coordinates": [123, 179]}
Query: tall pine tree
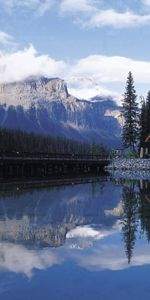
{"type": "Point", "coordinates": [130, 114]}
{"type": "Point", "coordinates": [148, 114]}
{"type": "Point", "coordinates": [145, 120]}
{"type": "Point", "coordinates": [143, 123]}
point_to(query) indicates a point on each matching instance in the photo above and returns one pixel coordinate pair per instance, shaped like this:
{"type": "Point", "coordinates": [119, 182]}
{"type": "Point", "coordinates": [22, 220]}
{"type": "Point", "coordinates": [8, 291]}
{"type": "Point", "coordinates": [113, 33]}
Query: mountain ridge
{"type": "Point", "coordinates": [44, 105]}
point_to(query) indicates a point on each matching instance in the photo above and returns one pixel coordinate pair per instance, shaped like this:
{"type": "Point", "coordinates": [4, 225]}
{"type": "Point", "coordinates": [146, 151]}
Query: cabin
{"type": "Point", "coordinates": [145, 150]}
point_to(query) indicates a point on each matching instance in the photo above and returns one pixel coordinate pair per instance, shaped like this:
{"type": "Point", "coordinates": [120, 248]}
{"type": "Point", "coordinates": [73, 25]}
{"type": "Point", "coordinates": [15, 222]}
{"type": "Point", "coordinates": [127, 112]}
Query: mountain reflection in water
{"type": "Point", "coordinates": [97, 226]}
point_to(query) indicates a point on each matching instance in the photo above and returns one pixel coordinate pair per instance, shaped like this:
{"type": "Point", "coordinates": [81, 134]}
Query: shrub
{"type": "Point", "coordinates": [132, 155]}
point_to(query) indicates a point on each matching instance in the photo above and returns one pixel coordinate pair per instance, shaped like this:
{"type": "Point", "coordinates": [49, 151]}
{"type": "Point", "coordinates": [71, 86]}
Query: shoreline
{"type": "Point", "coordinates": [130, 174]}
{"type": "Point", "coordinates": [132, 164]}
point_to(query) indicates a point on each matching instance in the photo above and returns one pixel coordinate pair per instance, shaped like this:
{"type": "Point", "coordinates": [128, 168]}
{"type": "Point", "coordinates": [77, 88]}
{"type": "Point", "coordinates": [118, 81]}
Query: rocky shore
{"type": "Point", "coordinates": [133, 169]}
{"type": "Point", "coordinates": [130, 174]}
{"type": "Point", "coordinates": [129, 164]}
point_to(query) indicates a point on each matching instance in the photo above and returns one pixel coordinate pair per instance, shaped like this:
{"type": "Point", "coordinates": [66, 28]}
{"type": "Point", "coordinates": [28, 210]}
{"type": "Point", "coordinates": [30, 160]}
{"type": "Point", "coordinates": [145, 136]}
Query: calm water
{"type": "Point", "coordinates": [76, 242]}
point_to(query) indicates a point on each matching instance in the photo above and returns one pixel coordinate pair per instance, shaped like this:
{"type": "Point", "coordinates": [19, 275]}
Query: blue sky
{"type": "Point", "coordinates": [92, 44]}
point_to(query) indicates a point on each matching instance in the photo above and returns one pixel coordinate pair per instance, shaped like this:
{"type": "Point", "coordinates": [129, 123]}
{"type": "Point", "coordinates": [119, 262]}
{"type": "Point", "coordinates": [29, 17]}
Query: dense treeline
{"type": "Point", "coordinates": [19, 141]}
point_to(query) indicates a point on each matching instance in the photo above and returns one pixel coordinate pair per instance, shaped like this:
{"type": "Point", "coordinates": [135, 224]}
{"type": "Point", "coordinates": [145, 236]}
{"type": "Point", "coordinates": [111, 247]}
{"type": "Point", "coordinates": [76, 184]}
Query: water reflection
{"type": "Point", "coordinates": [129, 219]}
{"type": "Point", "coordinates": [43, 217]}
{"type": "Point", "coordinates": [91, 225]}
{"type": "Point", "coordinates": [136, 213]}
{"type": "Point", "coordinates": [19, 259]}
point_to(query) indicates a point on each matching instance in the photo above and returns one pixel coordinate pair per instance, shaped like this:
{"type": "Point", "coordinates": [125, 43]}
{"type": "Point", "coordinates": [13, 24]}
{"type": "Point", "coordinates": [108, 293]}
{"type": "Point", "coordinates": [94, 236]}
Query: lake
{"type": "Point", "coordinates": [76, 241]}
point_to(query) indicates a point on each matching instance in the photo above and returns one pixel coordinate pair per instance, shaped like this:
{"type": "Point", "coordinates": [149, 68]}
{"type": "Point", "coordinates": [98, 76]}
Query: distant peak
{"type": "Point", "coordinates": [34, 78]}
{"type": "Point", "coordinates": [34, 87]}
{"type": "Point", "coordinates": [108, 99]}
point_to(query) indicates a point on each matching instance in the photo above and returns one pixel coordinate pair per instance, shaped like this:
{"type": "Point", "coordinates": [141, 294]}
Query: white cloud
{"type": "Point", "coordinates": [12, 4]}
{"type": "Point", "coordinates": [146, 2]}
{"type": "Point", "coordinates": [86, 77]}
{"type": "Point", "coordinates": [86, 88]}
{"type": "Point", "coordinates": [44, 7]}
{"type": "Point", "coordinates": [39, 6]}
{"type": "Point", "coordinates": [94, 15]}
{"type": "Point", "coordinates": [88, 93]}
{"type": "Point", "coordinates": [108, 69]}
{"type": "Point", "coordinates": [88, 13]}
{"type": "Point", "coordinates": [116, 19]}
{"type": "Point", "coordinates": [6, 39]}
{"type": "Point", "coordinates": [78, 6]}
{"type": "Point", "coordinates": [22, 64]}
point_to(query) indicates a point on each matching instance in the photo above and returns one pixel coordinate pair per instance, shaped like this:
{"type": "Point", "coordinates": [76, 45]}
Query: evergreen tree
{"type": "Point", "coordinates": [145, 120]}
{"type": "Point", "coordinates": [148, 114]}
{"type": "Point", "coordinates": [130, 114]}
{"type": "Point", "coordinates": [143, 123]}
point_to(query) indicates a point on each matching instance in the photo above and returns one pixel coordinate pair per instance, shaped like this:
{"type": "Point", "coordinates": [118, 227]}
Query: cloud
{"type": "Point", "coordinates": [7, 42]}
{"type": "Point", "coordinates": [115, 19]}
{"type": "Point", "coordinates": [12, 4]}
{"type": "Point", "coordinates": [109, 69]}
{"type": "Point", "coordinates": [86, 78]}
{"type": "Point", "coordinates": [146, 2]}
{"type": "Point", "coordinates": [6, 39]}
{"type": "Point", "coordinates": [94, 15]}
{"type": "Point", "coordinates": [86, 88]}
{"type": "Point", "coordinates": [78, 6]}
{"type": "Point", "coordinates": [38, 6]}
{"type": "Point", "coordinates": [22, 64]}
{"type": "Point", "coordinates": [87, 13]}
{"type": "Point", "coordinates": [44, 7]}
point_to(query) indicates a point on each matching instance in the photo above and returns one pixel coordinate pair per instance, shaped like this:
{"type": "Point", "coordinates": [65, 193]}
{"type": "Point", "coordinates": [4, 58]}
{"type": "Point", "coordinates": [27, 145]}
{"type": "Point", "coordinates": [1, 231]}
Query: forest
{"type": "Point", "coordinates": [19, 141]}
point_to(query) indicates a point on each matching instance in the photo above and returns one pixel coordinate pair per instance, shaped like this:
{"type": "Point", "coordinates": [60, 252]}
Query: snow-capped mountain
{"type": "Point", "coordinates": [43, 105]}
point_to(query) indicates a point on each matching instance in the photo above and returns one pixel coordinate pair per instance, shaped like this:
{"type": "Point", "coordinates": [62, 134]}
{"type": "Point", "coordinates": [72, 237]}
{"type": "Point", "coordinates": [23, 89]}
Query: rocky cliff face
{"type": "Point", "coordinates": [33, 89]}
{"type": "Point", "coordinates": [44, 105]}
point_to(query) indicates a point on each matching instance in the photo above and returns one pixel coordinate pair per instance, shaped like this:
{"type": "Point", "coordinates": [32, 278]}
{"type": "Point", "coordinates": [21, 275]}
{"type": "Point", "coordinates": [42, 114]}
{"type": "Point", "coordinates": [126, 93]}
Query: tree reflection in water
{"type": "Point", "coordinates": [136, 213]}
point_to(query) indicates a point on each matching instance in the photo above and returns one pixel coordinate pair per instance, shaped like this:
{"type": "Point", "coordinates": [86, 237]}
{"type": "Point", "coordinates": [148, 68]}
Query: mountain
{"type": "Point", "coordinates": [44, 105]}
